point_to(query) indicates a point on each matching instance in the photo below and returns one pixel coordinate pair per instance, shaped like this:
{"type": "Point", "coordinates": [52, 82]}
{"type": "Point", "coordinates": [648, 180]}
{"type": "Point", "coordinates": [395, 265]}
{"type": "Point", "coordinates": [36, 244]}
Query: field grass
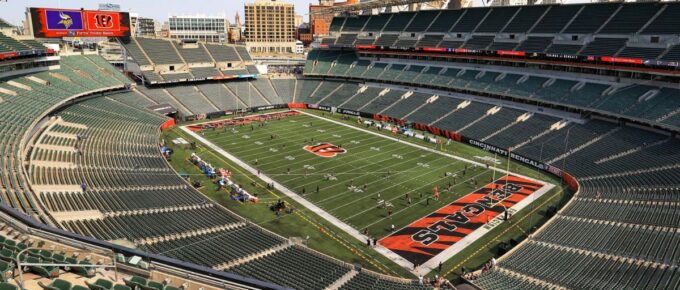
{"type": "Point", "coordinates": [388, 169]}
{"type": "Point", "coordinates": [373, 168]}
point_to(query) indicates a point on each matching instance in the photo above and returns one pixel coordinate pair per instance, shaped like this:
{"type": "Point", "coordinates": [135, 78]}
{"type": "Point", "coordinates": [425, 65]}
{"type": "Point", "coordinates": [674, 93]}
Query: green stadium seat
{"type": "Point", "coordinates": [57, 284]}
{"type": "Point", "coordinates": [100, 284]}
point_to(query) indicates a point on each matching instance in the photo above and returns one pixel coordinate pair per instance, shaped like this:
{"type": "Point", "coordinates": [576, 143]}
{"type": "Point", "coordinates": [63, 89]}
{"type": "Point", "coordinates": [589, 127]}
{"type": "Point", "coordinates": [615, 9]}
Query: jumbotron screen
{"type": "Point", "coordinates": [57, 23]}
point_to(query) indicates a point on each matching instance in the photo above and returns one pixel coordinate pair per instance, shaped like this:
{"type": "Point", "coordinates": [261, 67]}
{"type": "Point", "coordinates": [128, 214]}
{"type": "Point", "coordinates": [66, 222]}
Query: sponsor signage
{"type": "Point", "coordinates": [265, 108]}
{"type": "Point", "coordinates": [434, 49]}
{"type": "Point", "coordinates": [522, 159]}
{"type": "Point", "coordinates": [323, 108]}
{"type": "Point", "coordinates": [58, 23]}
{"type": "Point", "coordinates": [109, 6]}
{"type": "Point", "coordinates": [624, 60]}
{"type": "Point", "coordinates": [654, 62]}
{"type": "Point", "coordinates": [511, 53]}
{"type": "Point", "coordinates": [348, 112]}
{"type": "Point", "coordinates": [361, 46]}
{"type": "Point", "coordinates": [8, 55]}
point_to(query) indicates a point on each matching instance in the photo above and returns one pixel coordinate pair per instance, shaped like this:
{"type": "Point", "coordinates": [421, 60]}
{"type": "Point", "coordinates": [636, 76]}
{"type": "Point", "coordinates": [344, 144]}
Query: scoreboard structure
{"type": "Point", "coordinates": [58, 23]}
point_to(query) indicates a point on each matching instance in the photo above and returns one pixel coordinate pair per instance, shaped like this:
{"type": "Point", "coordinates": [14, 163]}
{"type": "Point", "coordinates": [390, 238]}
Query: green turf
{"type": "Point", "coordinates": [388, 168]}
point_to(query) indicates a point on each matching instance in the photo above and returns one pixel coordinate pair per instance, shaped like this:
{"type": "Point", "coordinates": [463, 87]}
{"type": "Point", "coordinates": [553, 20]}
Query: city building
{"type": "Point", "coordinates": [199, 27]}
{"type": "Point", "coordinates": [299, 19]}
{"type": "Point", "coordinates": [235, 30]}
{"type": "Point", "coordinates": [109, 7]}
{"type": "Point", "coordinates": [145, 27]}
{"type": "Point", "coordinates": [304, 34]}
{"type": "Point", "coordinates": [270, 27]}
{"type": "Point", "coordinates": [299, 47]}
{"type": "Point", "coordinates": [163, 31]}
{"type": "Point", "coordinates": [458, 4]}
{"type": "Point", "coordinates": [508, 2]}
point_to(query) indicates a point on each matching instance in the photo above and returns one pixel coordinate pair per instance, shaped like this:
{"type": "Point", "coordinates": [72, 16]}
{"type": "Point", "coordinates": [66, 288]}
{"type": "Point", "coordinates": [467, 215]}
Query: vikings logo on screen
{"type": "Point", "coordinates": [326, 150]}
{"type": "Point", "coordinates": [64, 20]}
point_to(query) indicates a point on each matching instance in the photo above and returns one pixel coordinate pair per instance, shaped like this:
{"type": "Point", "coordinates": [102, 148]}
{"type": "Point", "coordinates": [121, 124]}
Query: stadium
{"type": "Point", "coordinates": [502, 147]}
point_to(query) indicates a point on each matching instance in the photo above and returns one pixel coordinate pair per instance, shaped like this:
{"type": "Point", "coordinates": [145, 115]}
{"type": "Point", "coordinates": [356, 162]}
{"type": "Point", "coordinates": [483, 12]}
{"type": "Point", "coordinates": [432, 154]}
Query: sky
{"type": "Point", "coordinates": [14, 10]}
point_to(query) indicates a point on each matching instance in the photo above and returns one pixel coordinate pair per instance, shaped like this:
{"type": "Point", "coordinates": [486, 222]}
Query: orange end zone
{"type": "Point", "coordinates": [425, 238]}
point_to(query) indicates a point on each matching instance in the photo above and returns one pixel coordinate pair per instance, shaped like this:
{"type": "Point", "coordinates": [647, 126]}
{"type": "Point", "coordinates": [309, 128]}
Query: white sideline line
{"type": "Point", "coordinates": [422, 269]}
{"type": "Point", "coordinates": [419, 146]}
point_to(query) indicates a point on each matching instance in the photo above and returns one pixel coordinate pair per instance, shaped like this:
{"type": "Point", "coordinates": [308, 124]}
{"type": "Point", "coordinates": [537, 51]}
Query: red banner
{"type": "Point", "coordinates": [168, 124]}
{"type": "Point", "coordinates": [8, 55]}
{"type": "Point", "coordinates": [360, 46]}
{"type": "Point", "coordinates": [297, 106]}
{"type": "Point", "coordinates": [511, 53]}
{"type": "Point", "coordinates": [570, 181]}
{"type": "Point", "coordinates": [621, 60]}
{"type": "Point", "coordinates": [434, 49]}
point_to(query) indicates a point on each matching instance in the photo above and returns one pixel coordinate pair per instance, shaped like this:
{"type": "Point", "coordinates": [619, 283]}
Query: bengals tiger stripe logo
{"type": "Point", "coordinates": [325, 150]}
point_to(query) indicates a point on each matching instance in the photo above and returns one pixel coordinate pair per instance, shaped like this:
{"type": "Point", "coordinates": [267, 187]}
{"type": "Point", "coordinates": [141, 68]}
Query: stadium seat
{"type": "Point", "coordinates": [57, 284]}
{"type": "Point", "coordinates": [100, 284]}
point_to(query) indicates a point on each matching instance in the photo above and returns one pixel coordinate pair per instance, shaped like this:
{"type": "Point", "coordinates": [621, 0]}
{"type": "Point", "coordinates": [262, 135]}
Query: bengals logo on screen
{"type": "Point", "coordinates": [103, 21]}
{"type": "Point", "coordinates": [326, 150]}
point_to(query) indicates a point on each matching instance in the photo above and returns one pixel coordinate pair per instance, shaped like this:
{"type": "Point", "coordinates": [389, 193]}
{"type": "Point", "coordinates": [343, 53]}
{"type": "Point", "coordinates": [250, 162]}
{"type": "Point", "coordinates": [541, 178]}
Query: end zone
{"type": "Point", "coordinates": [444, 233]}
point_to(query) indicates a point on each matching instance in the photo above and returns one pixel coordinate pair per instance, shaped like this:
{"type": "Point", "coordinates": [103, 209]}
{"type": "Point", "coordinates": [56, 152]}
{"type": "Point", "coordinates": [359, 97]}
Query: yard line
{"type": "Point", "coordinates": [311, 156]}
{"type": "Point", "coordinates": [375, 164]}
{"type": "Point", "coordinates": [379, 179]}
{"type": "Point", "coordinates": [298, 160]}
{"type": "Point", "coordinates": [501, 170]}
{"type": "Point", "coordinates": [397, 212]}
{"type": "Point", "coordinates": [400, 184]}
{"type": "Point", "coordinates": [244, 129]}
{"type": "Point", "coordinates": [258, 135]}
{"type": "Point", "coordinates": [396, 149]}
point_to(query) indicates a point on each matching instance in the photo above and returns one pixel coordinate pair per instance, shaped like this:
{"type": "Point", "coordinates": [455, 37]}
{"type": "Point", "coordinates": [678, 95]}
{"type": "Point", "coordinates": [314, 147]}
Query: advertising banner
{"type": "Point", "coordinates": [58, 23]}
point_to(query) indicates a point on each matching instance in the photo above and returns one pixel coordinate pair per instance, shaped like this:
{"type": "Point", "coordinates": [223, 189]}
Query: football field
{"type": "Point", "coordinates": [357, 185]}
{"type": "Point", "coordinates": [375, 182]}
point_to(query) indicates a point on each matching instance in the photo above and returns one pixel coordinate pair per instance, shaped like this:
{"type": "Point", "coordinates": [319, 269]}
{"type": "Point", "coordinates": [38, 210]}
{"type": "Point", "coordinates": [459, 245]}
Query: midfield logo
{"type": "Point", "coordinates": [326, 150]}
